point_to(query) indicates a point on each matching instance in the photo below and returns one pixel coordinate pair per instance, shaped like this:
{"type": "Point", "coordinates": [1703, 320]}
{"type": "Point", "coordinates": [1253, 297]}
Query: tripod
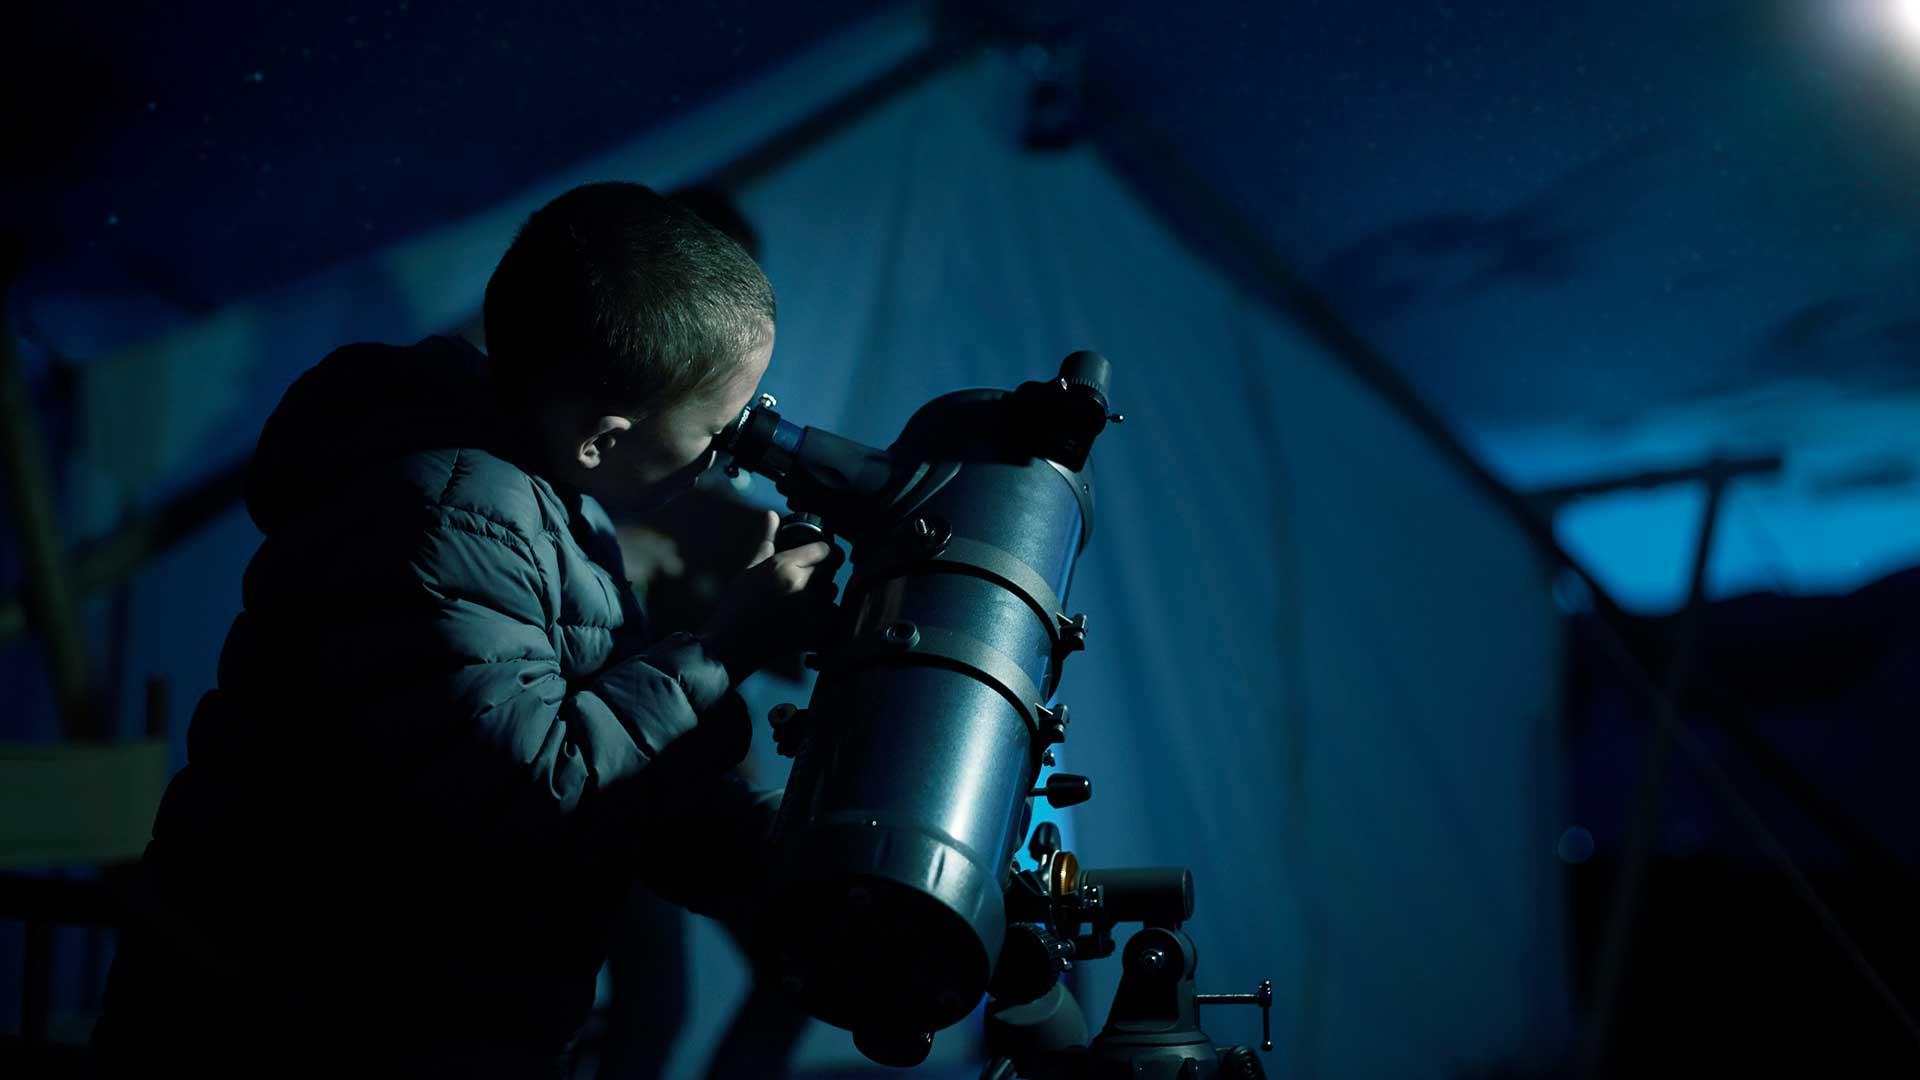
{"type": "Point", "coordinates": [1035, 1028]}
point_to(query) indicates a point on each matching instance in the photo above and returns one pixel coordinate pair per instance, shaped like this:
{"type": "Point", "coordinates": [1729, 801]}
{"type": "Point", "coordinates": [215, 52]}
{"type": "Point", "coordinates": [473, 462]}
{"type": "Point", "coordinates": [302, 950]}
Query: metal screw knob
{"type": "Point", "coordinates": [1063, 790]}
{"type": "Point", "coordinates": [1044, 841]}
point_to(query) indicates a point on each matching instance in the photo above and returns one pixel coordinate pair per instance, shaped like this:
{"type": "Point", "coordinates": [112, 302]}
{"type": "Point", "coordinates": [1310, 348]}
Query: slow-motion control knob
{"type": "Point", "coordinates": [1031, 960]}
{"type": "Point", "coordinates": [798, 530]}
{"type": "Point", "coordinates": [1240, 1063]}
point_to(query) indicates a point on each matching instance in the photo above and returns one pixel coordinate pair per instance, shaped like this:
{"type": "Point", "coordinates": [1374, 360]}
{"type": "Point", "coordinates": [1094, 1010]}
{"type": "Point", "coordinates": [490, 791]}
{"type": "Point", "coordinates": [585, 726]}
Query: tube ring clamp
{"type": "Point", "coordinates": [954, 651]}
{"type": "Point", "coordinates": [999, 566]}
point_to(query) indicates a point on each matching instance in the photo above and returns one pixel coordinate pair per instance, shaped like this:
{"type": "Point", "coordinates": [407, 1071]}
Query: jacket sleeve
{"type": "Point", "coordinates": [708, 848]}
{"type": "Point", "coordinates": [443, 691]}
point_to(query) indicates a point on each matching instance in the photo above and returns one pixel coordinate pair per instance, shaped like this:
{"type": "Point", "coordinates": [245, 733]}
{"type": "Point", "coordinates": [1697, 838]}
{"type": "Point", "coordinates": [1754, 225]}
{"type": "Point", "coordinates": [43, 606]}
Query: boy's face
{"type": "Point", "coordinates": [641, 464]}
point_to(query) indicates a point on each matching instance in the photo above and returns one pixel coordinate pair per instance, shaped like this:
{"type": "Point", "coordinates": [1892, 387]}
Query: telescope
{"type": "Point", "coordinates": [897, 901]}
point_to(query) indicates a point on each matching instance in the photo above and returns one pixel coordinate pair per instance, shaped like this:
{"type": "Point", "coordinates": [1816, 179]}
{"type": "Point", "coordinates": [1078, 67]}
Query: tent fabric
{"type": "Point", "coordinates": [1323, 663]}
{"type": "Point", "coordinates": [1322, 666]}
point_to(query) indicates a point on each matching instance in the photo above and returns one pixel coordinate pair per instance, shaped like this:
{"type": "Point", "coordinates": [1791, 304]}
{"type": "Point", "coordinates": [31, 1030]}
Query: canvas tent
{"type": "Point", "coordinates": [1323, 666]}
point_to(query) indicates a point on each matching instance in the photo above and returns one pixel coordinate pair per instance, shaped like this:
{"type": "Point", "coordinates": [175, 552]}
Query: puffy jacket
{"type": "Point", "coordinates": [440, 746]}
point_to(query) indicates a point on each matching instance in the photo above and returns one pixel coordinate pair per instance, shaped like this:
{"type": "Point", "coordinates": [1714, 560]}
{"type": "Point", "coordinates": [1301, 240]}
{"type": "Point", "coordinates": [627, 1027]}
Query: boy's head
{"type": "Point", "coordinates": [626, 332]}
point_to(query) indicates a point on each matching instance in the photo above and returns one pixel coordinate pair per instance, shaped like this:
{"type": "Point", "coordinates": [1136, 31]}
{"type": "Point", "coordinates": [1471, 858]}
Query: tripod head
{"type": "Point", "coordinates": [1068, 914]}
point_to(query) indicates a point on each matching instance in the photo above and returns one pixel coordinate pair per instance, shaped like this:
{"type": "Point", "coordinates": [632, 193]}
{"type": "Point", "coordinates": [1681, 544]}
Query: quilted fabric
{"type": "Point", "coordinates": [440, 745]}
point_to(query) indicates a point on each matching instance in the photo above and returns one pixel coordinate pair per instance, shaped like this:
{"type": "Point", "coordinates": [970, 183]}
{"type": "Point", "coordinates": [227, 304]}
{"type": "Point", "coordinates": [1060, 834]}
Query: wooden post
{"type": "Point", "coordinates": [49, 588]}
{"type": "Point", "coordinates": [36, 996]}
{"type": "Point", "coordinates": [118, 557]}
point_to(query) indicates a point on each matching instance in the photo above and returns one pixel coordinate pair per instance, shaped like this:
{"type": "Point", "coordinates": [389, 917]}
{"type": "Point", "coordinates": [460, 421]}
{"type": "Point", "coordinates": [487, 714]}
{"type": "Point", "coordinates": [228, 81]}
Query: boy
{"type": "Point", "coordinates": [441, 746]}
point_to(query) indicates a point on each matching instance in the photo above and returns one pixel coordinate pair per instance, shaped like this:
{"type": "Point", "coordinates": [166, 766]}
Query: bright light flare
{"type": "Point", "coordinates": [1906, 20]}
{"type": "Point", "coordinates": [1883, 23]}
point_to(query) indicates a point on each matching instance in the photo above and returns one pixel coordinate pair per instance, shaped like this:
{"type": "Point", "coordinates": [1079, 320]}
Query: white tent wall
{"type": "Point", "coordinates": [1323, 664]}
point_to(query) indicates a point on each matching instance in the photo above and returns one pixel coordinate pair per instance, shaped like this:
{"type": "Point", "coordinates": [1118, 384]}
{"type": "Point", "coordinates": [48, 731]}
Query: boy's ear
{"type": "Point", "coordinates": [597, 440]}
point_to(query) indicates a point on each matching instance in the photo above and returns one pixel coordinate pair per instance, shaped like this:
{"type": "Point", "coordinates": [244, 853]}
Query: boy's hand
{"type": "Point", "coordinates": [781, 603]}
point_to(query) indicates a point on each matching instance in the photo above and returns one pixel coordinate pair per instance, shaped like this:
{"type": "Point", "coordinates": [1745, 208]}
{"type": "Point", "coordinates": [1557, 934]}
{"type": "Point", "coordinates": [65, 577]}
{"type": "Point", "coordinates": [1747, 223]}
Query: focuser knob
{"type": "Point", "coordinates": [791, 727]}
{"type": "Point", "coordinates": [1044, 841]}
{"type": "Point", "coordinates": [1064, 789]}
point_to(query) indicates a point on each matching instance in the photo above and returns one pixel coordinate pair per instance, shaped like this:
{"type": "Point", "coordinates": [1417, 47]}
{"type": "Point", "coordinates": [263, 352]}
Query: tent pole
{"type": "Point", "coordinates": [1548, 501]}
{"type": "Point", "coordinates": [1217, 231]}
{"type": "Point", "coordinates": [1629, 893]}
{"type": "Point", "coordinates": [48, 596]}
{"type": "Point", "coordinates": [950, 45]}
{"type": "Point", "coordinates": [1635, 668]}
{"type": "Point", "coordinates": [1629, 901]}
{"type": "Point", "coordinates": [1858, 842]}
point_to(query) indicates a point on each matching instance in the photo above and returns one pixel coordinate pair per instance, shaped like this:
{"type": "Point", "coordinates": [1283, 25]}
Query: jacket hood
{"type": "Point", "coordinates": [363, 405]}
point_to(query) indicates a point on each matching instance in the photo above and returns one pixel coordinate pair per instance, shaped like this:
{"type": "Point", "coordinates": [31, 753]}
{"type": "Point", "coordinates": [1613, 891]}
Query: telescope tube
{"type": "Point", "coordinates": [895, 839]}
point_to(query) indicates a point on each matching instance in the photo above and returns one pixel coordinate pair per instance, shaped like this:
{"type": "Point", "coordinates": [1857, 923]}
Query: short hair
{"type": "Point", "coordinates": [717, 208]}
{"type": "Point", "coordinates": [616, 293]}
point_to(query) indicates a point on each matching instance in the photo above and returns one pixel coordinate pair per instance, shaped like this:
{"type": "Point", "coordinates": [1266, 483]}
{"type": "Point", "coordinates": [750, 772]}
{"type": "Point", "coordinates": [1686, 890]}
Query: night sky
{"type": "Point", "coordinates": [1593, 235]}
{"type": "Point", "coordinates": [207, 151]}
{"type": "Point", "coordinates": [1576, 208]}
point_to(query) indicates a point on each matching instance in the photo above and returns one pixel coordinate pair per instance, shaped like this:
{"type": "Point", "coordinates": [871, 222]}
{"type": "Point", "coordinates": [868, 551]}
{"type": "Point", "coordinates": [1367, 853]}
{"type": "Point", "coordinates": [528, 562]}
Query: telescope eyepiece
{"type": "Point", "coordinates": [759, 441]}
{"type": "Point", "coordinates": [1088, 369]}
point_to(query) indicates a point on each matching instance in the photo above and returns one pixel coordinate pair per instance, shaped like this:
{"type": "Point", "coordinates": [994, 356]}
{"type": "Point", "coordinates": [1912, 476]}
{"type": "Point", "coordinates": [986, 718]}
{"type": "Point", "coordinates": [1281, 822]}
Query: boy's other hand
{"type": "Point", "coordinates": [781, 603]}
